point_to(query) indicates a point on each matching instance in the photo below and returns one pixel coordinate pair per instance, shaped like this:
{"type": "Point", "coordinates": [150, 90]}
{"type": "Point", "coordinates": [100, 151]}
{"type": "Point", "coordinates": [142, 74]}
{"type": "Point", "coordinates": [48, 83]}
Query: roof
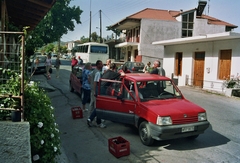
{"type": "Point", "coordinates": [148, 13]}
{"type": "Point", "coordinates": [157, 14]}
{"type": "Point", "coordinates": [212, 20]}
{"type": "Point", "coordinates": [27, 12]}
{"type": "Point", "coordinates": [205, 38]}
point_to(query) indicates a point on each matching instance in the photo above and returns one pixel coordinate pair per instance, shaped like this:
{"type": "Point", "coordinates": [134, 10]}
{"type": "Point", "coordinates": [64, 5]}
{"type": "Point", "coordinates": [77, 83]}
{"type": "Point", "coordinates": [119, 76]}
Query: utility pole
{"type": "Point", "coordinates": [89, 39]}
{"type": "Point", "coordinates": [100, 12]}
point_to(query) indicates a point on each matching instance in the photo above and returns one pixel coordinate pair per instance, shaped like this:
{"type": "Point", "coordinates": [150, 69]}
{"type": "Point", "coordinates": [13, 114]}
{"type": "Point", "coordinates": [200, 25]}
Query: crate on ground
{"type": "Point", "coordinates": [77, 112]}
{"type": "Point", "coordinates": [118, 146]}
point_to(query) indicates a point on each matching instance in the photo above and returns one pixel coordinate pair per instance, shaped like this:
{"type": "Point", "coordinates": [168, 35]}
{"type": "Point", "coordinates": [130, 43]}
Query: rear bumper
{"type": "Point", "coordinates": [175, 131]}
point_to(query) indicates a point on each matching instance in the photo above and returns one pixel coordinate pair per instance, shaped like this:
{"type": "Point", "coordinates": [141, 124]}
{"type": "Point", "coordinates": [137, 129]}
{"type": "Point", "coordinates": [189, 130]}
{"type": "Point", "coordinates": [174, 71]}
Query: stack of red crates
{"type": "Point", "coordinates": [118, 146]}
{"type": "Point", "coordinates": [77, 112]}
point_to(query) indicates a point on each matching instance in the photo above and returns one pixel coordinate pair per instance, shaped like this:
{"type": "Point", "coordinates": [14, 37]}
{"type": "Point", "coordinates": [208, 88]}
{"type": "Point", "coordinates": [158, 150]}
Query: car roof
{"type": "Point", "coordinates": [144, 77]}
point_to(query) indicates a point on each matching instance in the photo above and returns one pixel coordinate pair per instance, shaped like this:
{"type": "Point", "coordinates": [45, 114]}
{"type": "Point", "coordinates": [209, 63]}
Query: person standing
{"type": "Point", "coordinates": [157, 69]}
{"type": "Point", "coordinates": [147, 67]}
{"type": "Point", "coordinates": [86, 88]}
{"type": "Point", "coordinates": [80, 61]}
{"type": "Point", "coordinates": [94, 78]}
{"type": "Point", "coordinates": [48, 65]}
{"type": "Point", "coordinates": [74, 62]}
{"type": "Point", "coordinates": [105, 68]}
{"type": "Point", "coordinates": [57, 65]}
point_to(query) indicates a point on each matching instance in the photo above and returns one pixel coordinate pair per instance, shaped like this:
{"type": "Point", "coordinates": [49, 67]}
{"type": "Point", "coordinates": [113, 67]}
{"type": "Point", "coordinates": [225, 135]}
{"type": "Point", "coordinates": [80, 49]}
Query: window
{"type": "Point", "coordinates": [224, 64]}
{"type": "Point", "coordinates": [187, 24]}
{"type": "Point", "coordinates": [98, 49]}
{"type": "Point", "coordinates": [178, 64]}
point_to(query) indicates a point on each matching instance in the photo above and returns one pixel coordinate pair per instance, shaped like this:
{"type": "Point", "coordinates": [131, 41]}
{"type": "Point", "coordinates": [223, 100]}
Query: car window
{"type": "Point", "coordinates": [110, 87]}
{"type": "Point", "coordinates": [154, 90]}
{"type": "Point", "coordinates": [138, 64]}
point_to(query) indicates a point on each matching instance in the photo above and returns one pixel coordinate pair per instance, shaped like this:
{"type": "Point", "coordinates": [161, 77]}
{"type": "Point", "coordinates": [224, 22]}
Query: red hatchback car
{"type": "Point", "coordinates": [153, 104]}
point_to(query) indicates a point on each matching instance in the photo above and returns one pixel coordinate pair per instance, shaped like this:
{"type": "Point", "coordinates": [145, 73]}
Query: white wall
{"type": "Point", "coordinates": [156, 30]}
{"type": "Point", "coordinates": [201, 27]}
{"type": "Point", "coordinates": [211, 49]}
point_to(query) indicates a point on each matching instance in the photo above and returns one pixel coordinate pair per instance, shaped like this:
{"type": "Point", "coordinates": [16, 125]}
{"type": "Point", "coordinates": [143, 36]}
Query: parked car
{"type": "Point", "coordinates": [75, 81]}
{"type": "Point", "coordinates": [134, 67]}
{"type": "Point", "coordinates": [66, 56]}
{"type": "Point", "coordinates": [41, 67]}
{"type": "Point", "coordinates": [153, 104]}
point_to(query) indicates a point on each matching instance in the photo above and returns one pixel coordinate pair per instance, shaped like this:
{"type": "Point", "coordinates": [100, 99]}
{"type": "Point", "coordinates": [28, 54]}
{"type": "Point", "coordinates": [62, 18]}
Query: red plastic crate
{"type": "Point", "coordinates": [118, 146]}
{"type": "Point", "coordinates": [77, 112]}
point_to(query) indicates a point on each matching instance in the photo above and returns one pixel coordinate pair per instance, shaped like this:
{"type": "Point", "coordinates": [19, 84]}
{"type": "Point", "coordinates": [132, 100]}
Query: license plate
{"type": "Point", "coordinates": [188, 129]}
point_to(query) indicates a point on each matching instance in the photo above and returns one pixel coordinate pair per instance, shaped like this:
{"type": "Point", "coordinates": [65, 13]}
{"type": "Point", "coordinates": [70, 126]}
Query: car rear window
{"type": "Point", "coordinates": [138, 64]}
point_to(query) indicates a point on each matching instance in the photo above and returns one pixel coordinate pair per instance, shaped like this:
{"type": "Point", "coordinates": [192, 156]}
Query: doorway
{"type": "Point", "coordinates": [199, 69]}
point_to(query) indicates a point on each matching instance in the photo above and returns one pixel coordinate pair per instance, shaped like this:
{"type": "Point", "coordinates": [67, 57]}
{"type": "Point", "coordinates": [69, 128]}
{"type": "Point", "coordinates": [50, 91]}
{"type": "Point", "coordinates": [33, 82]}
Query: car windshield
{"type": "Point", "coordinates": [154, 90]}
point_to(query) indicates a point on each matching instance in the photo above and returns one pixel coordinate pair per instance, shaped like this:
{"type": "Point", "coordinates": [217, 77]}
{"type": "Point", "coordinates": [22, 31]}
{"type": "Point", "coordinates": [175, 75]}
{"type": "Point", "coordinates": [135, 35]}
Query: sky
{"type": "Point", "coordinates": [115, 10]}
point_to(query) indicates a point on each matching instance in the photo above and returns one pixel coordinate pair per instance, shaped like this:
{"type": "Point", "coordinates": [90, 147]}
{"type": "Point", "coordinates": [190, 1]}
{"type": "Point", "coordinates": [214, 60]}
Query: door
{"type": "Point", "coordinates": [199, 69]}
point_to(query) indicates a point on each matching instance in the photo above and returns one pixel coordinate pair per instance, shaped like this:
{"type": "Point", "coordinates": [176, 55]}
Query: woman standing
{"type": "Point", "coordinates": [86, 88]}
{"type": "Point", "coordinates": [57, 65]}
{"type": "Point", "coordinates": [48, 65]}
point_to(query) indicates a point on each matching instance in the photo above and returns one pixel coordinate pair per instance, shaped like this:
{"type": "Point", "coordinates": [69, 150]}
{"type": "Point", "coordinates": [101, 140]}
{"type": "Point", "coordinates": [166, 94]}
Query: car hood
{"type": "Point", "coordinates": [175, 107]}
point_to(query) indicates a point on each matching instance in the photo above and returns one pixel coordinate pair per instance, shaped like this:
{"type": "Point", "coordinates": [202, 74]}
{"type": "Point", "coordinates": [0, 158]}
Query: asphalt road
{"type": "Point", "coordinates": [81, 144]}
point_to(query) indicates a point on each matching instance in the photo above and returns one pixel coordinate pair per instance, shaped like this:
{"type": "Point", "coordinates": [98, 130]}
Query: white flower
{"type": "Point", "coordinates": [42, 142]}
{"type": "Point", "coordinates": [2, 105]}
{"type": "Point", "coordinates": [52, 115]}
{"type": "Point", "coordinates": [52, 107]}
{"type": "Point", "coordinates": [52, 135]}
{"type": "Point", "coordinates": [40, 124]}
{"type": "Point", "coordinates": [36, 157]}
{"type": "Point", "coordinates": [55, 149]}
{"type": "Point", "coordinates": [57, 129]}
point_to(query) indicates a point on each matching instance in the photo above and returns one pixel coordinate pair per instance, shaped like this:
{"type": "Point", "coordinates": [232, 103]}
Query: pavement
{"type": "Point", "coordinates": [79, 143]}
{"type": "Point", "coordinates": [43, 83]}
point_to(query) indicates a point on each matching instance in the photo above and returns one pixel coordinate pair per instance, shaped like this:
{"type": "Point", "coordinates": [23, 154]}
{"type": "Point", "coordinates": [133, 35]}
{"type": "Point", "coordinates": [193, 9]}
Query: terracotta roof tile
{"type": "Point", "coordinates": [212, 20]}
{"type": "Point", "coordinates": [149, 13]}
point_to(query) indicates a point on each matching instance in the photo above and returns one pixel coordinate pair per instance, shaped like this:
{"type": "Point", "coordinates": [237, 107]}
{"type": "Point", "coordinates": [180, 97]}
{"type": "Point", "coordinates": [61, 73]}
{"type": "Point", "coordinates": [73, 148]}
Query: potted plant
{"type": "Point", "coordinates": [230, 84]}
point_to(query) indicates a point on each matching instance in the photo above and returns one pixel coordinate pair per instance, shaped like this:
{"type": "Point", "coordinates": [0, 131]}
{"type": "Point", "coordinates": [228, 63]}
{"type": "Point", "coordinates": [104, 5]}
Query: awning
{"type": "Point", "coordinates": [125, 44]}
{"type": "Point", "coordinates": [205, 38]}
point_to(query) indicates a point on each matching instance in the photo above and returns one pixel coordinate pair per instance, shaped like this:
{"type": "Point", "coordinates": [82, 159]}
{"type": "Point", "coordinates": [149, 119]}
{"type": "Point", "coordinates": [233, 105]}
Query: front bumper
{"type": "Point", "coordinates": [175, 131]}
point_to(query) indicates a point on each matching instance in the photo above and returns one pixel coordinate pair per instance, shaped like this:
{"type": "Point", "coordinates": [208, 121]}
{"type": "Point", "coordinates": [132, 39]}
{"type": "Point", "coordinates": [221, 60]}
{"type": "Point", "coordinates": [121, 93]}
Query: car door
{"type": "Point", "coordinates": [118, 104]}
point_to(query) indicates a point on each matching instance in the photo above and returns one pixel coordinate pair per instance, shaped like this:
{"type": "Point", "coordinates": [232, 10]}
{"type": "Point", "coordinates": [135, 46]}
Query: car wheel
{"type": "Point", "coordinates": [70, 87]}
{"type": "Point", "coordinates": [145, 134]}
{"type": "Point", "coordinates": [193, 137]}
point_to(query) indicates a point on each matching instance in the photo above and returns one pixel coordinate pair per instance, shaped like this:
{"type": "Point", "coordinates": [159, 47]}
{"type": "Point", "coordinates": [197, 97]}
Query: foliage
{"type": "Point", "coordinates": [44, 133]}
{"type": "Point", "coordinates": [116, 31]}
{"type": "Point", "coordinates": [233, 82]}
{"type": "Point", "coordinates": [58, 21]}
{"type": "Point", "coordinates": [45, 141]}
{"type": "Point", "coordinates": [94, 36]}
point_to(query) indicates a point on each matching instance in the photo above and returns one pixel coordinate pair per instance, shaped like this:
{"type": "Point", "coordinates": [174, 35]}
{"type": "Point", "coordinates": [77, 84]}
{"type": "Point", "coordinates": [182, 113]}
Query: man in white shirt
{"type": "Point", "coordinates": [105, 68]}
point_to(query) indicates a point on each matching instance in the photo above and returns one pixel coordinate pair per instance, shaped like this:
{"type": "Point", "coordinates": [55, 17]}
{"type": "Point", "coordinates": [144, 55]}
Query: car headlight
{"type": "Point", "coordinates": [164, 121]}
{"type": "Point", "coordinates": [202, 116]}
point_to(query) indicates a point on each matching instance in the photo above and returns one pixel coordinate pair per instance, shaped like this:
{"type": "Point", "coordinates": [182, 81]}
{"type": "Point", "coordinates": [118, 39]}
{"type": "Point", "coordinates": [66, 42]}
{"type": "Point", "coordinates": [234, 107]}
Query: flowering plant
{"type": "Point", "coordinates": [232, 82]}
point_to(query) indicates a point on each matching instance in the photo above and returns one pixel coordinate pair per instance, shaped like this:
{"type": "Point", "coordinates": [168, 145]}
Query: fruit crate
{"type": "Point", "coordinates": [118, 146]}
{"type": "Point", "coordinates": [77, 112]}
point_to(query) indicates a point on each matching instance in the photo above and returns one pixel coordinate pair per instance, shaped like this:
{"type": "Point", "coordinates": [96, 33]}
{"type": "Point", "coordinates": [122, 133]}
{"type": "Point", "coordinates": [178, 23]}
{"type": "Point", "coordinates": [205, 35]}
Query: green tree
{"type": "Point", "coordinates": [58, 21]}
{"type": "Point", "coordinates": [116, 31]}
{"type": "Point", "coordinates": [94, 36]}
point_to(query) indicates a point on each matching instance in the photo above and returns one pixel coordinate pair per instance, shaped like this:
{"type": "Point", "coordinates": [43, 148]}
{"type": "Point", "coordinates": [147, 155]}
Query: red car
{"type": "Point", "coordinates": [75, 81]}
{"type": "Point", "coordinates": [153, 104]}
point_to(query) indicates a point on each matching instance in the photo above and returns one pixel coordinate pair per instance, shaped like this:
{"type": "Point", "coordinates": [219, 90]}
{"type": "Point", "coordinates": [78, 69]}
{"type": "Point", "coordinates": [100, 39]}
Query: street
{"type": "Point", "coordinates": [81, 144]}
